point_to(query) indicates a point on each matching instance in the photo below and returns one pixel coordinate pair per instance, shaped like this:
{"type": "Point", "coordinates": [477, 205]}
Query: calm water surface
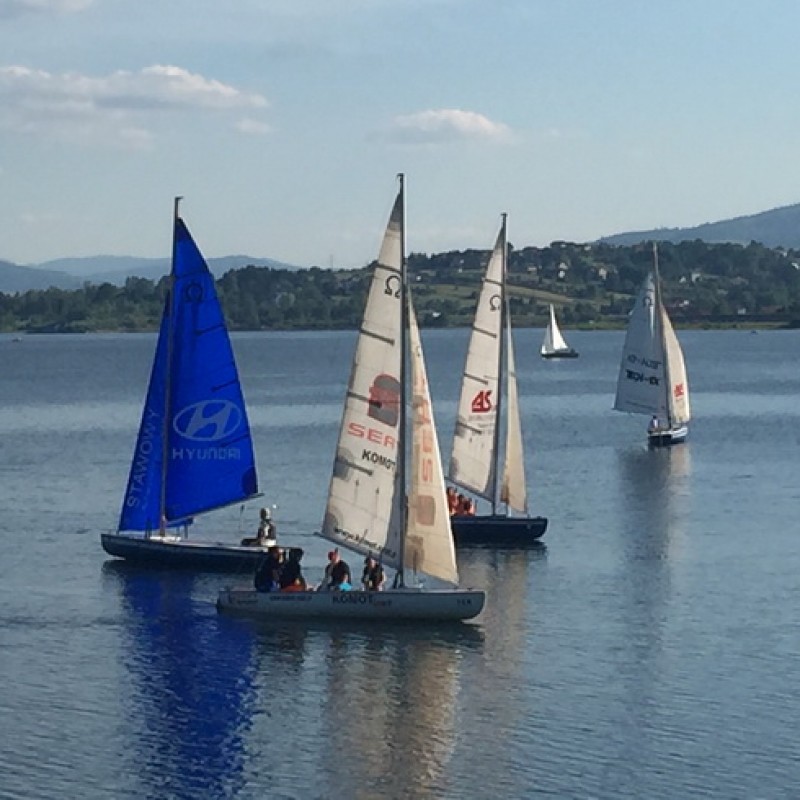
{"type": "Point", "coordinates": [648, 651]}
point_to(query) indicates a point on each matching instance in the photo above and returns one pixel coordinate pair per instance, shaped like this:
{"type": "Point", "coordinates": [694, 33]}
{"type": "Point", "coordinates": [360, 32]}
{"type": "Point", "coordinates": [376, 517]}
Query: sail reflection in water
{"type": "Point", "coordinates": [186, 686]}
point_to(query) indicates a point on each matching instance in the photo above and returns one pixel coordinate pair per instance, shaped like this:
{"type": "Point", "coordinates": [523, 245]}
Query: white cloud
{"type": "Point", "coordinates": [446, 125]}
{"type": "Point", "coordinates": [115, 108]}
{"type": "Point", "coordinates": [252, 126]}
{"type": "Point", "coordinates": [17, 8]}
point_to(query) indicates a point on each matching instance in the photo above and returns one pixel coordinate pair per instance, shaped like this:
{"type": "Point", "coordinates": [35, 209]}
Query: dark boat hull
{"type": "Point", "coordinates": [497, 530]}
{"type": "Point", "coordinates": [562, 354]}
{"type": "Point", "coordinates": [183, 553]}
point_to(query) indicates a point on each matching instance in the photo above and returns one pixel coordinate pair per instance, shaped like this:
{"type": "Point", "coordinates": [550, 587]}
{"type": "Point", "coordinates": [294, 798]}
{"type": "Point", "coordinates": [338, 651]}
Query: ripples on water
{"type": "Point", "coordinates": [647, 651]}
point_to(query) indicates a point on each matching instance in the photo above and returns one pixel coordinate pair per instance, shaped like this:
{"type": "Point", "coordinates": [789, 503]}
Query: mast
{"type": "Point", "coordinates": [659, 321]}
{"type": "Point", "coordinates": [403, 416]}
{"type": "Point", "coordinates": [502, 373]}
{"type": "Point", "coordinates": [168, 378]}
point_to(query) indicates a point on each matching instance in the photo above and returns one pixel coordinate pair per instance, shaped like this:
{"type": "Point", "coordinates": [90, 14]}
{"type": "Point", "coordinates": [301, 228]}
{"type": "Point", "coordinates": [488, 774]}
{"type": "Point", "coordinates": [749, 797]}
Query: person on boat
{"type": "Point", "coordinates": [268, 571]}
{"type": "Point", "coordinates": [466, 508]}
{"type": "Point", "coordinates": [291, 576]}
{"type": "Point", "coordinates": [452, 501]}
{"type": "Point", "coordinates": [327, 580]}
{"type": "Point", "coordinates": [266, 531]}
{"type": "Point", "coordinates": [340, 574]}
{"type": "Point", "coordinates": [654, 425]}
{"type": "Point", "coordinates": [373, 577]}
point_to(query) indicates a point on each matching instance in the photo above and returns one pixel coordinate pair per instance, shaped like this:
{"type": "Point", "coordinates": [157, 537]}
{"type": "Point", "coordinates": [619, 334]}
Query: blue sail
{"type": "Point", "coordinates": [194, 451]}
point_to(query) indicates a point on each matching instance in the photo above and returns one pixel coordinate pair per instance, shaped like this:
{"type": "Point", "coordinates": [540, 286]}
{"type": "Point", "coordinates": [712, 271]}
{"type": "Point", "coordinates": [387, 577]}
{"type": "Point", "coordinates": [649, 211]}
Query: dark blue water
{"type": "Point", "coordinates": [648, 651]}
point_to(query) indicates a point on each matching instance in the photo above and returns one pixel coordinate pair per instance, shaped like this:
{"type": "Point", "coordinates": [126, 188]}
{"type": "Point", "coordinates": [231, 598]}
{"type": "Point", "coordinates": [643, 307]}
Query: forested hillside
{"type": "Point", "coordinates": [591, 285]}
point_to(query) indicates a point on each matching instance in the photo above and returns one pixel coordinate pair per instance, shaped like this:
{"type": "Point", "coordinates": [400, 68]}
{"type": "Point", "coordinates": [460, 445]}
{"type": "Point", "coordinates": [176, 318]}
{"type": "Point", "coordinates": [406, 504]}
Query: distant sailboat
{"type": "Point", "coordinates": [488, 396]}
{"type": "Point", "coordinates": [652, 376]}
{"type": "Point", "coordinates": [384, 501]}
{"type": "Point", "coordinates": [194, 452]}
{"type": "Point", "coordinates": [554, 345]}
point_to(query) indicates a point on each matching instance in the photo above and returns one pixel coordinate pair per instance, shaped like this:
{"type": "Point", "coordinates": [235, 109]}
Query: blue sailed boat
{"type": "Point", "coordinates": [194, 452]}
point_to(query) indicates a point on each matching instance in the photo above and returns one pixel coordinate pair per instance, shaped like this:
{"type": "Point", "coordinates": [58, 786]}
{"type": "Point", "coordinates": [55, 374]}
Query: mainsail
{"type": "Point", "coordinates": [194, 451]}
{"type": "Point", "coordinates": [473, 463]}
{"type": "Point", "coordinates": [363, 511]}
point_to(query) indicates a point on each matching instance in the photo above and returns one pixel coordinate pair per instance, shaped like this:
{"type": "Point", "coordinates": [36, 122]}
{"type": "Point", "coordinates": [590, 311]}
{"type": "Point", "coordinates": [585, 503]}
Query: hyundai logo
{"type": "Point", "coordinates": [208, 420]}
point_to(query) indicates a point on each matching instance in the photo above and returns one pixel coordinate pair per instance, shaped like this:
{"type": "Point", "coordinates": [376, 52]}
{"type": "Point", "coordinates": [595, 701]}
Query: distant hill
{"type": "Point", "coordinates": [71, 273]}
{"type": "Point", "coordinates": [779, 227]}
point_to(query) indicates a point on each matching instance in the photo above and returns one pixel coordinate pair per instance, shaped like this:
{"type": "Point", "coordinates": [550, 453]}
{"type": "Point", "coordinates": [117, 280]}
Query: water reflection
{"type": "Point", "coordinates": [186, 687]}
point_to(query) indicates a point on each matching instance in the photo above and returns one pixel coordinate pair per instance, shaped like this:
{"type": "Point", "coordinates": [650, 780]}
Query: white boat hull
{"type": "Point", "coordinates": [393, 604]}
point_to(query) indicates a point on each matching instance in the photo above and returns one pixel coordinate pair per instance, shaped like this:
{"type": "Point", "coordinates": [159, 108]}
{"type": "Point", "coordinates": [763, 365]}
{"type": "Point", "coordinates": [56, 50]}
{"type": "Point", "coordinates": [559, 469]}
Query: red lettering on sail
{"type": "Point", "coordinates": [678, 390]}
{"type": "Point", "coordinates": [482, 402]}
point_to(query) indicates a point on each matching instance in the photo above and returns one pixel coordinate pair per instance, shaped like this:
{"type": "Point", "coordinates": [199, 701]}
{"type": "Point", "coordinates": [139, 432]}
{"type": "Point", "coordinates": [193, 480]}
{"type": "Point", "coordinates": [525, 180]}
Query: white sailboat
{"type": "Point", "coordinates": [381, 502]}
{"type": "Point", "coordinates": [554, 345]}
{"type": "Point", "coordinates": [489, 393]}
{"type": "Point", "coordinates": [652, 375]}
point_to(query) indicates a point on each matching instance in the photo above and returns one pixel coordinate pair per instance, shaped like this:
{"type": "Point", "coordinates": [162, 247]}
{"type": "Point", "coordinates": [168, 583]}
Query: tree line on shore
{"type": "Point", "coordinates": [590, 285]}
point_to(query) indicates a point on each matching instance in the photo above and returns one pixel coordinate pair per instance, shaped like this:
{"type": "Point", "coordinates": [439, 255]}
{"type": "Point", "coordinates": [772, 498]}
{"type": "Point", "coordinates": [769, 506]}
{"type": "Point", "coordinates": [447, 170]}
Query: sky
{"type": "Point", "coordinates": [283, 123]}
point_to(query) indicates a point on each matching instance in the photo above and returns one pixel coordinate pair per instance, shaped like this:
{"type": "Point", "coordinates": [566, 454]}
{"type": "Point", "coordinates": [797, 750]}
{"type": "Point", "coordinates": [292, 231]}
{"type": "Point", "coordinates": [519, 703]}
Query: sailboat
{"type": "Point", "coordinates": [489, 393]}
{"type": "Point", "coordinates": [554, 345]}
{"type": "Point", "coordinates": [383, 501]}
{"type": "Point", "coordinates": [194, 451]}
{"type": "Point", "coordinates": [652, 375]}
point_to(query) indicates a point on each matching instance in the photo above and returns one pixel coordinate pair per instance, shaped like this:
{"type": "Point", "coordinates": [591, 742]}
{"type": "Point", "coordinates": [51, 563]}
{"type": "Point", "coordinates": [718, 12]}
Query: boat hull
{"type": "Point", "coordinates": [497, 530]}
{"type": "Point", "coordinates": [669, 437]}
{"type": "Point", "coordinates": [183, 553]}
{"type": "Point", "coordinates": [561, 354]}
{"type": "Point", "coordinates": [445, 605]}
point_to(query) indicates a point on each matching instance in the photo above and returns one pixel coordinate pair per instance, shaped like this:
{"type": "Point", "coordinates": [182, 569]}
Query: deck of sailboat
{"type": "Point", "coordinates": [441, 605]}
{"type": "Point", "coordinates": [667, 438]}
{"type": "Point", "coordinates": [172, 551]}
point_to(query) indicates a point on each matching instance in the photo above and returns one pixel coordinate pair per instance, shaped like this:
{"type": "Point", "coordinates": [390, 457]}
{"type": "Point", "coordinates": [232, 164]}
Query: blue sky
{"type": "Point", "coordinates": [284, 122]}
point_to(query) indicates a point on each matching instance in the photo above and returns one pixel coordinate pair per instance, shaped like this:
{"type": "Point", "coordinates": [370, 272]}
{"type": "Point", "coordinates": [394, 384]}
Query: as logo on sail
{"type": "Point", "coordinates": [482, 402]}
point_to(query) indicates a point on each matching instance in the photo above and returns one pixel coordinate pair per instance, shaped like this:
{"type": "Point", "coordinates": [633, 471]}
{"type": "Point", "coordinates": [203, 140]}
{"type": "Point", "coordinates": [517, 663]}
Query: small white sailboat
{"type": "Point", "coordinates": [381, 502]}
{"type": "Point", "coordinates": [489, 394]}
{"type": "Point", "coordinates": [194, 452]}
{"type": "Point", "coordinates": [652, 375]}
{"type": "Point", "coordinates": [554, 345]}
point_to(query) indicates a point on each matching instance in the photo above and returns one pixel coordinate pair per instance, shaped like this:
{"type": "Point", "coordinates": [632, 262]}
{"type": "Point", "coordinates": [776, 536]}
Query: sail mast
{"type": "Point", "coordinates": [659, 323]}
{"type": "Point", "coordinates": [403, 416]}
{"type": "Point", "coordinates": [168, 377]}
{"type": "Point", "coordinates": [502, 372]}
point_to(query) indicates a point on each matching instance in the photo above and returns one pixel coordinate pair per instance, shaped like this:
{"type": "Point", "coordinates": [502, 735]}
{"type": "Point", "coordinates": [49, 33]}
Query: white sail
{"type": "Point", "coordinates": [429, 542]}
{"type": "Point", "coordinates": [513, 491]}
{"type": "Point", "coordinates": [553, 340]}
{"type": "Point", "coordinates": [472, 464]}
{"type": "Point", "coordinates": [679, 409]}
{"type": "Point", "coordinates": [640, 385]}
{"type": "Point", "coordinates": [363, 505]}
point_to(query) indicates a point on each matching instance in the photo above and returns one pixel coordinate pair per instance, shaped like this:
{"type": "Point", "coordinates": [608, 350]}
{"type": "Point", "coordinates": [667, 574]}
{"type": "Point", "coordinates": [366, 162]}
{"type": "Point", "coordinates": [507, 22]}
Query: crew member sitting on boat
{"type": "Point", "coordinates": [340, 574]}
{"type": "Point", "coordinates": [268, 571]}
{"type": "Point", "coordinates": [373, 577]}
{"type": "Point", "coordinates": [465, 507]}
{"type": "Point", "coordinates": [266, 531]}
{"type": "Point", "coordinates": [654, 425]}
{"type": "Point", "coordinates": [452, 501]}
{"type": "Point", "coordinates": [291, 576]}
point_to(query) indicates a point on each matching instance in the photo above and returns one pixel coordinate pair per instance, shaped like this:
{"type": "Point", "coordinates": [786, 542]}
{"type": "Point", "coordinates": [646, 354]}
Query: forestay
{"type": "Point", "coordinates": [194, 451]}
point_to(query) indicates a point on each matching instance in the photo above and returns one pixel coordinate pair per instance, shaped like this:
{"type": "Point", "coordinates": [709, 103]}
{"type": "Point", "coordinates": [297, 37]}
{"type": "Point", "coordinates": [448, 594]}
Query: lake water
{"type": "Point", "coordinates": [648, 651]}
